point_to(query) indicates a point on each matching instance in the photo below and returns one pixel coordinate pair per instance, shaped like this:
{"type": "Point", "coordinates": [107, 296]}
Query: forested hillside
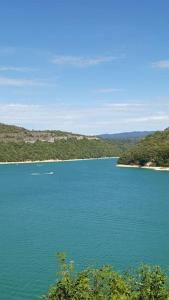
{"type": "Point", "coordinates": [151, 151]}
{"type": "Point", "coordinates": [10, 133]}
{"type": "Point", "coordinates": [18, 144]}
{"type": "Point", "coordinates": [62, 149]}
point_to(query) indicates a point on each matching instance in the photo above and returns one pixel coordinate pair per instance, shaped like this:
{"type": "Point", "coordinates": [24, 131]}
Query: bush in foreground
{"type": "Point", "coordinates": [105, 284]}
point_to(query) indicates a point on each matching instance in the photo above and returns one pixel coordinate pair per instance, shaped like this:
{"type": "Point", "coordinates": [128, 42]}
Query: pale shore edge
{"type": "Point", "coordinates": [52, 160]}
{"type": "Point", "coordinates": [144, 167]}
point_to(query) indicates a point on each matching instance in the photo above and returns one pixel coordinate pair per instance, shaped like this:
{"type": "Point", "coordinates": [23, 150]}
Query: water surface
{"type": "Point", "coordinates": [93, 211]}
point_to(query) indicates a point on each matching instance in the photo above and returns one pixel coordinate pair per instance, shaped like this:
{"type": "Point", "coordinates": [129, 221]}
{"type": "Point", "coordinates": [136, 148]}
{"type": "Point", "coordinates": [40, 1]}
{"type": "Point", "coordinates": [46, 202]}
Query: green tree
{"type": "Point", "coordinates": [146, 283]}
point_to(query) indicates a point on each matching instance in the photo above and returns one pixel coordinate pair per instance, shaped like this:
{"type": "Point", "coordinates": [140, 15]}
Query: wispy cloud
{"type": "Point", "coordinates": [107, 90]}
{"type": "Point", "coordinates": [15, 69]}
{"type": "Point", "coordinates": [150, 118]}
{"type": "Point", "coordinates": [98, 118]}
{"type": "Point", "coordinates": [81, 61]}
{"type": "Point", "coordinates": [19, 82]}
{"type": "Point", "coordinates": [161, 64]}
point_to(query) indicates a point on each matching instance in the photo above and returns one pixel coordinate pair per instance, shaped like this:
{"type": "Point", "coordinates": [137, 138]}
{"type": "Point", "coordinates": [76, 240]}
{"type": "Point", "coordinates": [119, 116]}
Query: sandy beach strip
{"type": "Point", "coordinates": [144, 167]}
{"type": "Point", "coordinates": [53, 160]}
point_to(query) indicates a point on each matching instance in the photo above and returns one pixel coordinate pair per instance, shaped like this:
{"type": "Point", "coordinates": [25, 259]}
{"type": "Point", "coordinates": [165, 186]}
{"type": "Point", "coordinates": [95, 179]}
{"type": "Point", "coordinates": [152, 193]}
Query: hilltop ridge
{"type": "Point", "coordinates": [12, 133]}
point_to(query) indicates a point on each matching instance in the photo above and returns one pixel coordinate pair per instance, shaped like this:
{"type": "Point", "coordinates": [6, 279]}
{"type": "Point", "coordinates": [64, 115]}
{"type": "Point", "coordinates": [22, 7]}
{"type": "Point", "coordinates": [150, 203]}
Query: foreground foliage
{"type": "Point", "coordinates": [153, 150]}
{"type": "Point", "coordinates": [146, 283]}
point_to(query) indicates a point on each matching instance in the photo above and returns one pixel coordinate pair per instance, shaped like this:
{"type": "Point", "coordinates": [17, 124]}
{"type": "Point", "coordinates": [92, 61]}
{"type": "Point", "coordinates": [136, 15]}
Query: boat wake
{"type": "Point", "coordinates": [39, 174]}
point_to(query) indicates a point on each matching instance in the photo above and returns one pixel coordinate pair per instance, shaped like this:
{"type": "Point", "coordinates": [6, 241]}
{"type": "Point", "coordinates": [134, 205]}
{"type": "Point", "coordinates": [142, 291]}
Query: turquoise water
{"type": "Point", "coordinates": [93, 211]}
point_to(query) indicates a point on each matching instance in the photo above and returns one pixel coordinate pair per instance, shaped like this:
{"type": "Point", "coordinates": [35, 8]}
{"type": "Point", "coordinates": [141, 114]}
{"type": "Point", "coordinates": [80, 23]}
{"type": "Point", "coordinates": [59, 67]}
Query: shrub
{"type": "Point", "coordinates": [146, 283]}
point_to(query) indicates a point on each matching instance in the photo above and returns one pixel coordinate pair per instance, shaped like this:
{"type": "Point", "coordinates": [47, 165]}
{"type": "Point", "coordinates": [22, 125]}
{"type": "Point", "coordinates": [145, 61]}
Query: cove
{"type": "Point", "coordinates": [92, 210]}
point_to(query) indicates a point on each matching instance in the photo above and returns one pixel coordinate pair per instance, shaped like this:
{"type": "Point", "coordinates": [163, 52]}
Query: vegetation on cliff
{"type": "Point", "coordinates": [11, 133]}
{"type": "Point", "coordinates": [19, 144]}
{"type": "Point", "coordinates": [151, 151]}
{"type": "Point", "coordinates": [61, 149]}
{"type": "Point", "coordinates": [145, 283]}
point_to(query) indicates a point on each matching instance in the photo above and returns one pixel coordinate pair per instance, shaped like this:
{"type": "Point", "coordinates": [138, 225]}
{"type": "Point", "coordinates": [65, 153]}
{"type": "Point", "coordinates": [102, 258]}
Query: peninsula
{"type": "Point", "coordinates": [150, 152]}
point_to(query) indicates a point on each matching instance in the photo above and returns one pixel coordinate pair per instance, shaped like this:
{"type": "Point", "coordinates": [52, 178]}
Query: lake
{"type": "Point", "coordinates": [92, 210]}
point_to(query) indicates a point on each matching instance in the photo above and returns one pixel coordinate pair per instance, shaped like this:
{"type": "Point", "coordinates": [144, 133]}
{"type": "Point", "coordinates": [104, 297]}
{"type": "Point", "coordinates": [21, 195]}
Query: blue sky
{"type": "Point", "coordinates": [85, 66]}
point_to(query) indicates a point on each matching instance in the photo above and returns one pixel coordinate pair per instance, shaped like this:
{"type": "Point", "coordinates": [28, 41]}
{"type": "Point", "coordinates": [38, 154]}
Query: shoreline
{"type": "Point", "coordinates": [144, 167]}
{"type": "Point", "coordinates": [52, 160]}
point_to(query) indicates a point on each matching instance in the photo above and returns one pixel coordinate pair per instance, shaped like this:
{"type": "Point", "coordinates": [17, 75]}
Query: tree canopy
{"type": "Point", "coordinates": [152, 150]}
{"type": "Point", "coordinates": [144, 283]}
{"type": "Point", "coordinates": [61, 149]}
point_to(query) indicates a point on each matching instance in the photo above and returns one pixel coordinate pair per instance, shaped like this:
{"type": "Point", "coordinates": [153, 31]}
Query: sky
{"type": "Point", "coordinates": [86, 66]}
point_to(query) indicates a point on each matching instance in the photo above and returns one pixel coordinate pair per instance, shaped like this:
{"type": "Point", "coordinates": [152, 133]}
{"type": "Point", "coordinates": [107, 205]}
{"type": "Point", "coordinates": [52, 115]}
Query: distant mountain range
{"type": "Point", "coordinates": [137, 135]}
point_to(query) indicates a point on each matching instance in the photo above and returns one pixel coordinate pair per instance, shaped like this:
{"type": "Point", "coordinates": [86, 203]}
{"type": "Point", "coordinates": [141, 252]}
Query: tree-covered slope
{"type": "Point", "coordinates": [5, 129]}
{"type": "Point", "coordinates": [11, 133]}
{"type": "Point", "coordinates": [151, 151]}
{"type": "Point", "coordinates": [19, 144]}
{"type": "Point", "coordinates": [61, 149]}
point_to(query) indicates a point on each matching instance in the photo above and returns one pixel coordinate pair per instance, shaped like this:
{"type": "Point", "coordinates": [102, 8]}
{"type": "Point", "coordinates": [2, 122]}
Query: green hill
{"type": "Point", "coordinates": [19, 144]}
{"type": "Point", "coordinates": [5, 129]}
{"type": "Point", "coordinates": [150, 151]}
{"type": "Point", "coordinates": [11, 133]}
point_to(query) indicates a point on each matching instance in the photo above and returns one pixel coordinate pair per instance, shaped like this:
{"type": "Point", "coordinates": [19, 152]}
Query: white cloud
{"type": "Point", "coordinates": [94, 119]}
{"type": "Point", "coordinates": [107, 90]}
{"type": "Point", "coordinates": [15, 69]}
{"type": "Point", "coordinates": [19, 82]}
{"type": "Point", "coordinates": [161, 64]}
{"type": "Point", "coordinates": [150, 118]}
{"type": "Point", "coordinates": [80, 61]}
